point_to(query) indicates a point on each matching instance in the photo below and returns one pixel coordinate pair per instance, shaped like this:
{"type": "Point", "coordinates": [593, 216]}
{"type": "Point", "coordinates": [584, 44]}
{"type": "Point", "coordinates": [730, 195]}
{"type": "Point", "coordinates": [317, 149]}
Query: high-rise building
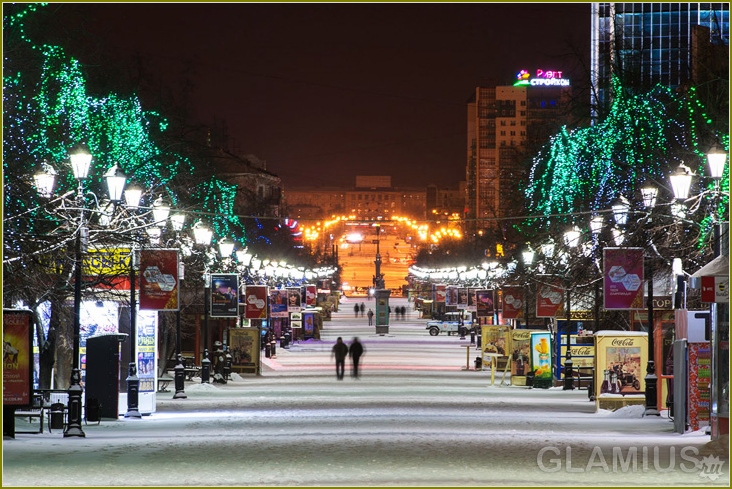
{"type": "Point", "coordinates": [506, 123]}
{"type": "Point", "coordinates": [650, 43]}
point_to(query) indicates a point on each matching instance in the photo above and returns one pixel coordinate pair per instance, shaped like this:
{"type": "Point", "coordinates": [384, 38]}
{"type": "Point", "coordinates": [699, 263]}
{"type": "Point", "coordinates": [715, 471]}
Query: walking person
{"type": "Point", "coordinates": [340, 350]}
{"type": "Point", "coordinates": [355, 351]}
{"type": "Point", "coordinates": [363, 308]}
{"type": "Point", "coordinates": [356, 309]}
{"type": "Point", "coordinates": [370, 314]}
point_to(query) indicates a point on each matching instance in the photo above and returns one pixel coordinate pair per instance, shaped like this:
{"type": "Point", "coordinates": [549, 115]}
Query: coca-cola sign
{"type": "Point", "coordinates": [623, 342]}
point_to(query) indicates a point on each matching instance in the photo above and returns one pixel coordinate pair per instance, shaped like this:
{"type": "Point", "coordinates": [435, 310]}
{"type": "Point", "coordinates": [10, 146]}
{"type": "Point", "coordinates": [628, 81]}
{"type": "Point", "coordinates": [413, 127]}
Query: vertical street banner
{"type": "Point", "coordinates": [440, 293]}
{"type": "Point", "coordinates": [484, 303]}
{"type": "Point", "coordinates": [17, 357]}
{"type": "Point", "coordinates": [549, 301]}
{"type": "Point", "coordinates": [623, 278]}
{"type": "Point", "coordinates": [255, 302]}
{"type": "Point", "coordinates": [294, 300]}
{"type": "Point", "coordinates": [462, 297]}
{"type": "Point", "coordinates": [451, 296]}
{"type": "Point", "coordinates": [513, 303]}
{"type": "Point", "coordinates": [147, 327]}
{"type": "Point", "coordinates": [278, 303]}
{"type": "Point", "coordinates": [224, 295]}
{"type": "Point", "coordinates": [159, 290]}
{"type": "Point", "coordinates": [310, 295]}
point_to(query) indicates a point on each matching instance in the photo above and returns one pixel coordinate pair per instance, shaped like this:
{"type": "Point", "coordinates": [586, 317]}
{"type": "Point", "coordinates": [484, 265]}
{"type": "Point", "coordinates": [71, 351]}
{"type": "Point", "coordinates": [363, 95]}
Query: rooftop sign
{"type": "Point", "coordinates": [542, 78]}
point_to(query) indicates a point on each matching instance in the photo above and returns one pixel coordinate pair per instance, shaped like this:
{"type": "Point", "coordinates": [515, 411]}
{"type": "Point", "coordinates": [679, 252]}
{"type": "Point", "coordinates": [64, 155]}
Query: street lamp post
{"type": "Point", "coordinates": [133, 381]}
{"type": "Point", "coordinates": [571, 239]}
{"type": "Point", "coordinates": [177, 220]}
{"type": "Point", "coordinates": [379, 280]}
{"type": "Point", "coordinates": [203, 237]}
{"type": "Point", "coordinates": [80, 159]}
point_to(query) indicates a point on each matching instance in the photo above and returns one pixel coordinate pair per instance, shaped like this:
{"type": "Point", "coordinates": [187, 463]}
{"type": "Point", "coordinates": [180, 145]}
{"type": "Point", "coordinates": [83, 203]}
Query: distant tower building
{"type": "Point", "coordinates": [650, 43]}
{"type": "Point", "coordinates": [505, 124]}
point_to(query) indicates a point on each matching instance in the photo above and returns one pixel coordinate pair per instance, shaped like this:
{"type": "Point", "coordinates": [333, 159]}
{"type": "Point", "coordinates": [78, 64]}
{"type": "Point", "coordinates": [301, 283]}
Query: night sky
{"type": "Point", "coordinates": [325, 92]}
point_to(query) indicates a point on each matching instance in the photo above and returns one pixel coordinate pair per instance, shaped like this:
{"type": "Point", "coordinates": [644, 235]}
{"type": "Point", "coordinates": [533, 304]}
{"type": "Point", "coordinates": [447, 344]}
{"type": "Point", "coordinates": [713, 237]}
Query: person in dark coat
{"type": "Point", "coordinates": [355, 351]}
{"type": "Point", "coordinates": [363, 308]}
{"type": "Point", "coordinates": [340, 350]}
{"type": "Point", "coordinates": [356, 309]}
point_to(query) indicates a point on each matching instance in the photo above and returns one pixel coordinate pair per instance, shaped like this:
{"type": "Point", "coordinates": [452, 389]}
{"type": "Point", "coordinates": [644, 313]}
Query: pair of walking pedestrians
{"type": "Point", "coordinates": [340, 351]}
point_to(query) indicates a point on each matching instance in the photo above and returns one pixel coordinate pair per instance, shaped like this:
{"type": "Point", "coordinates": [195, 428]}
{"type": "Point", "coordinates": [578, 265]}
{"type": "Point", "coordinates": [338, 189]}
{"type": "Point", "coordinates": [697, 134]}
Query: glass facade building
{"type": "Point", "coordinates": [651, 43]}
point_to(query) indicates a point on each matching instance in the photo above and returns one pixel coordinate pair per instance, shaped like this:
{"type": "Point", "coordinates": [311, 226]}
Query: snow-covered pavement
{"type": "Point", "coordinates": [415, 418]}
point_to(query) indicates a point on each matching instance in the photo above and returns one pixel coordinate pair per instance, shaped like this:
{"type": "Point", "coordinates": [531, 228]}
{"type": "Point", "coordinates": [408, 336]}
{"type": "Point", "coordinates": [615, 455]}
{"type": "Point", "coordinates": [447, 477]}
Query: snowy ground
{"type": "Point", "coordinates": [413, 419]}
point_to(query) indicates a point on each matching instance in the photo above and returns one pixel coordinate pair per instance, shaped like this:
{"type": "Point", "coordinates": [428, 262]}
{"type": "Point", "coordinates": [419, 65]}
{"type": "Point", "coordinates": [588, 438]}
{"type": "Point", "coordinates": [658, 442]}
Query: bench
{"type": "Point", "coordinates": [32, 412]}
{"type": "Point", "coordinates": [192, 372]}
{"type": "Point", "coordinates": [163, 383]}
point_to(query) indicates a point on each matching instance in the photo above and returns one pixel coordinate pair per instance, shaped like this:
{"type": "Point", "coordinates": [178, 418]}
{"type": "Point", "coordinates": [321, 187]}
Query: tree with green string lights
{"type": "Point", "coordinates": [643, 139]}
{"type": "Point", "coordinates": [48, 108]}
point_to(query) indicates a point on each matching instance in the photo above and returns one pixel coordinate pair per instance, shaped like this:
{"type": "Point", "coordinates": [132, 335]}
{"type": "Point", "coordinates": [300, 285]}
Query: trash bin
{"type": "Point", "coordinates": [478, 363]}
{"type": "Point", "coordinates": [56, 415]}
{"type": "Point", "coordinates": [92, 411]}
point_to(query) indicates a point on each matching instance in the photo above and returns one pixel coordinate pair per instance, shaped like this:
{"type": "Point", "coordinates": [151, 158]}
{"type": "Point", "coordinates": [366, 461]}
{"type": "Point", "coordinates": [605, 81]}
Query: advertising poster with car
{"type": "Point", "coordinates": [623, 278]}
{"type": "Point", "coordinates": [278, 303]}
{"type": "Point", "coordinates": [159, 280]}
{"type": "Point", "coordinates": [17, 357]}
{"type": "Point", "coordinates": [484, 303]}
{"type": "Point", "coordinates": [549, 300]}
{"type": "Point", "coordinates": [541, 361]}
{"type": "Point", "coordinates": [520, 355]}
{"type": "Point", "coordinates": [224, 295]}
{"type": "Point", "coordinates": [621, 360]}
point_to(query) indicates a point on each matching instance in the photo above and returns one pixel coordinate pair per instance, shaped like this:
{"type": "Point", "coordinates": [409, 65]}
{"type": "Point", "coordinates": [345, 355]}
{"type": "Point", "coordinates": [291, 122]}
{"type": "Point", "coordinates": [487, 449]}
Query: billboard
{"type": "Point", "coordinates": [549, 301]}
{"type": "Point", "coordinates": [513, 303]}
{"type": "Point", "coordinates": [17, 357]}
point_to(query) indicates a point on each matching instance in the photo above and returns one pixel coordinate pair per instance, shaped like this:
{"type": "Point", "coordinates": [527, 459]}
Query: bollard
{"type": "Point", "coordinates": [267, 350]}
{"type": "Point", "coordinates": [273, 349]}
{"type": "Point", "coordinates": [227, 365]}
{"type": "Point", "coordinates": [205, 367]}
{"type": "Point", "coordinates": [288, 338]}
{"type": "Point", "coordinates": [472, 336]}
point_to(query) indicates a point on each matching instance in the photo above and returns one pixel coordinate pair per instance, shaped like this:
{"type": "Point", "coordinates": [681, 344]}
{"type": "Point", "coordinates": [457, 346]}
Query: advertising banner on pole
{"type": "Point", "coordinates": [255, 302]}
{"type": "Point", "coordinates": [550, 301]}
{"type": "Point", "coordinates": [440, 293]}
{"type": "Point", "coordinates": [463, 297]}
{"type": "Point", "coordinates": [294, 300]}
{"type": "Point", "coordinates": [451, 296]}
{"type": "Point", "coordinates": [310, 295]}
{"type": "Point", "coordinates": [484, 299]}
{"type": "Point", "coordinates": [513, 303]}
{"type": "Point", "coordinates": [623, 278]}
{"type": "Point", "coordinates": [17, 357]}
{"type": "Point", "coordinates": [159, 280]}
{"type": "Point", "coordinates": [224, 295]}
{"type": "Point", "coordinates": [278, 303]}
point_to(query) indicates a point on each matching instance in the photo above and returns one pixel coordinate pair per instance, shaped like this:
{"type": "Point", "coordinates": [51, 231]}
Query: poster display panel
{"type": "Point", "coordinates": [96, 318]}
{"type": "Point", "coordinates": [496, 339]}
{"type": "Point", "coordinates": [451, 296]}
{"type": "Point", "coordinates": [520, 355]}
{"type": "Point", "coordinates": [622, 357]}
{"type": "Point", "coordinates": [17, 357]}
{"type": "Point", "coordinates": [541, 352]}
{"type": "Point", "coordinates": [583, 354]}
{"type": "Point", "coordinates": [244, 348]}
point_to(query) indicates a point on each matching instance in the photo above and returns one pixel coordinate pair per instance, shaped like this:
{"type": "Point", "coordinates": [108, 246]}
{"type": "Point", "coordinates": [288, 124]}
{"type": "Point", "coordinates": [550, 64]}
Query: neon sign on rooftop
{"type": "Point", "coordinates": [542, 78]}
